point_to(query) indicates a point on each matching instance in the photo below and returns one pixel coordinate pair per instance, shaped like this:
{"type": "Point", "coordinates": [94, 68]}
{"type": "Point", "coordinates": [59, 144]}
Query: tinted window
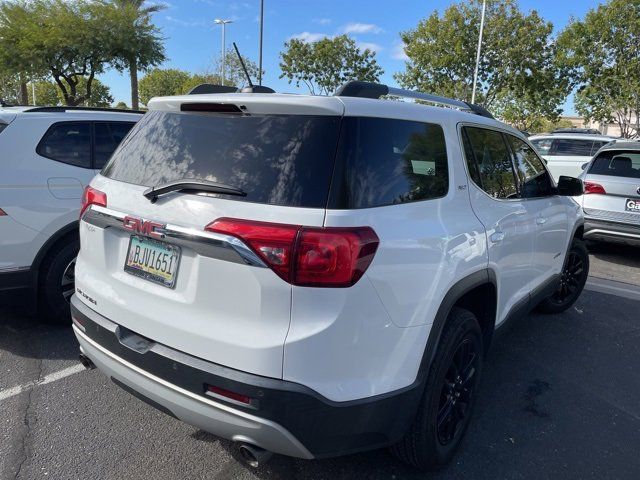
{"type": "Point", "coordinates": [617, 164]}
{"type": "Point", "coordinates": [489, 152]}
{"type": "Point", "coordinates": [68, 143]}
{"type": "Point", "coordinates": [108, 136]}
{"type": "Point", "coordinates": [534, 179]}
{"type": "Point", "coordinates": [572, 148]}
{"type": "Point", "coordinates": [276, 159]}
{"type": "Point", "coordinates": [2, 126]}
{"type": "Point", "coordinates": [388, 162]}
{"type": "Point", "coordinates": [542, 145]}
{"type": "Point", "coordinates": [597, 146]}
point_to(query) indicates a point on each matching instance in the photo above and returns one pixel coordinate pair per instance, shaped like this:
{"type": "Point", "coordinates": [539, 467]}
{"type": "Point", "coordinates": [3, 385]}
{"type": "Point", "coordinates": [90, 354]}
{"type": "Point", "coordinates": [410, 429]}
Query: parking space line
{"type": "Point", "coordinates": [52, 377]}
{"type": "Point", "coordinates": [603, 285]}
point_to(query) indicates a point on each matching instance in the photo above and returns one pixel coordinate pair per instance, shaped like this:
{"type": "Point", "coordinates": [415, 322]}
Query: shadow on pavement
{"type": "Point", "coordinates": [27, 336]}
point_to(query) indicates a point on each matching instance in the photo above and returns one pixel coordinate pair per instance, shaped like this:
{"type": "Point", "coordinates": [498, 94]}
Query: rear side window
{"type": "Point", "coordinates": [2, 126]}
{"type": "Point", "coordinates": [385, 161]}
{"type": "Point", "coordinates": [487, 152]}
{"type": "Point", "coordinates": [571, 147]}
{"type": "Point", "coordinates": [108, 136]}
{"type": "Point", "coordinates": [534, 179]}
{"type": "Point", "coordinates": [68, 142]}
{"type": "Point", "coordinates": [277, 159]}
{"type": "Point", "coordinates": [617, 164]}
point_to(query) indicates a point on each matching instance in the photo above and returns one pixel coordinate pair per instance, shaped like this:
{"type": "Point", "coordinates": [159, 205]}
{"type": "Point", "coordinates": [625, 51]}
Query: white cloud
{"type": "Point", "coordinates": [322, 21]}
{"type": "Point", "coordinates": [309, 36]}
{"type": "Point", "coordinates": [356, 27]}
{"type": "Point", "coordinates": [185, 23]}
{"type": "Point", "coordinates": [370, 45]}
{"type": "Point", "coordinates": [398, 52]}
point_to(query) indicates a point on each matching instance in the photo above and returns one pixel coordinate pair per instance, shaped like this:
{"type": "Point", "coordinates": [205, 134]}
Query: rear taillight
{"type": "Point", "coordinates": [306, 256]}
{"type": "Point", "coordinates": [91, 196]}
{"type": "Point", "coordinates": [3, 213]}
{"type": "Point", "coordinates": [593, 188]}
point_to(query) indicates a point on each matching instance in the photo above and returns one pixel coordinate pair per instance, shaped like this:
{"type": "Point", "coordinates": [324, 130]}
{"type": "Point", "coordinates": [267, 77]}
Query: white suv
{"type": "Point", "coordinates": [566, 150]}
{"type": "Point", "coordinates": [47, 156]}
{"type": "Point", "coordinates": [315, 276]}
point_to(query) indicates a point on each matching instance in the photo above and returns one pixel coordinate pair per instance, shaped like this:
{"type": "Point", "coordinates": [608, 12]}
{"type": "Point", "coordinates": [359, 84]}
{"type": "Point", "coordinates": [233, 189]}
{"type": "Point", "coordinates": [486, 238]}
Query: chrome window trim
{"type": "Point", "coordinates": [208, 244]}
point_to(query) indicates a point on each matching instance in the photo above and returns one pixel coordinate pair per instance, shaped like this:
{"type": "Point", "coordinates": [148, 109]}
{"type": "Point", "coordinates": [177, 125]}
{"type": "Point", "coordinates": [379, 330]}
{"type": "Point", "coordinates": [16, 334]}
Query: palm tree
{"type": "Point", "coordinates": [140, 45]}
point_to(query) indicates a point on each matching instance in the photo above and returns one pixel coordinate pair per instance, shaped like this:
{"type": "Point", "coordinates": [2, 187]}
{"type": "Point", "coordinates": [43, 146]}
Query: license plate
{"type": "Point", "coordinates": [631, 205]}
{"type": "Point", "coordinates": [152, 260]}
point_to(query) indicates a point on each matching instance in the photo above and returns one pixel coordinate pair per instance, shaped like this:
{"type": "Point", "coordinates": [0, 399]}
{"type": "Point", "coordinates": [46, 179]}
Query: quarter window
{"type": "Point", "coordinates": [108, 136]}
{"type": "Point", "coordinates": [487, 151]}
{"type": "Point", "coordinates": [68, 143]}
{"type": "Point", "coordinates": [534, 179]}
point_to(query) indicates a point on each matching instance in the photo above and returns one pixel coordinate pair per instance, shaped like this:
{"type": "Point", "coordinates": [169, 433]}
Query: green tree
{"type": "Point", "coordinates": [198, 79]}
{"type": "Point", "coordinates": [517, 78]}
{"type": "Point", "coordinates": [69, 40]}
{"type": "Point", "coordinates": [328, 63]}
{"type": "Point", "coordinates": [602, 53]}
{"type": "Point", "coordinates": [161, 82]}
{"type": "Point", "coordinates": [47, 93]}
{"type": "Point", "coordinates": [234, 74]}
{"type": "Point", "coordinates": [137, 44]}
{"type": "Point", "coordinates": [100, 94]}
{"type": "Point", "coordinates": [122, 106]}
{"type": "Point", "coordinates": [9, 89]}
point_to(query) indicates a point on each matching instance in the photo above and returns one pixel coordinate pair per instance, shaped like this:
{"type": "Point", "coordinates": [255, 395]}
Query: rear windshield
{"type": "Point", "coordinates": [289, 159]}
{"type": "Point", "coordinates": [277, 159]}
{"type": "Point", "coordinates": [617, 164]}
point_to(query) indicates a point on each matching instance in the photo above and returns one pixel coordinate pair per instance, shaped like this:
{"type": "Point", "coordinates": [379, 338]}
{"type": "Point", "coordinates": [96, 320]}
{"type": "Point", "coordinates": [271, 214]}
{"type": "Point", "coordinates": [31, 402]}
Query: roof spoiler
{"type": "Point", "coordinates": [376, 90]}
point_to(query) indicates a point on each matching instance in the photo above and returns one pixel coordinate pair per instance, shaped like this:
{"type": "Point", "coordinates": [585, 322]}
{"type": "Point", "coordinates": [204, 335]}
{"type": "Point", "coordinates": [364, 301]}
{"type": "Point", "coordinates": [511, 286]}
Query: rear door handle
{"type": "Point", "coordinates": [497, 237]}
{"type": "Point", "coordinates": [541, 220]}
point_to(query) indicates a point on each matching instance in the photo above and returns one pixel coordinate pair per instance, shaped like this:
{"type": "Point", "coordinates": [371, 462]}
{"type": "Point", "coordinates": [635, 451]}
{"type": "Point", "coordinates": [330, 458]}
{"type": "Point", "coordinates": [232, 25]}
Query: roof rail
{"type": "Point", "coordinates": [586, 131]}
{"type": "Point", "coordinates": [377, 90]}
{"type": "Point", "coordinates": [81, 109]}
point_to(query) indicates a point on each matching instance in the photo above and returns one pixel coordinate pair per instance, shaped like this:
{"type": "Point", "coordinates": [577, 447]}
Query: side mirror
{"type": "Point", "coordinates": [584, 166]}
{"type": "Point", "coordinates": [570, 187]}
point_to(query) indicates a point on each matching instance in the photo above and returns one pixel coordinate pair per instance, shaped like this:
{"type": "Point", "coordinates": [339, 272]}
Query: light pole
{"type": "Point", "coordinates": [222, 22]}
{"type": "Point", "coordinates": [260, 48]}
{"type": "Point", "coordinates": [475, 73]}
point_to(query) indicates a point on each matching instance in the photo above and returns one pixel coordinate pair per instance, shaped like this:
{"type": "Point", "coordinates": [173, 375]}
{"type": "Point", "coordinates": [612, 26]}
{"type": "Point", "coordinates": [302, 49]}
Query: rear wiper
{"type": "Point", "coordinates": [192, 185]}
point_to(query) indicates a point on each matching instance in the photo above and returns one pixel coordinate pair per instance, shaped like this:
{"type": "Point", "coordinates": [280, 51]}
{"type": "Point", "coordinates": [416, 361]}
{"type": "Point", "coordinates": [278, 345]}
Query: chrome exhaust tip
{"type": "Point", "coordinates": [254, 456]}
{"type": "Point", "coordinates": [86, 362]}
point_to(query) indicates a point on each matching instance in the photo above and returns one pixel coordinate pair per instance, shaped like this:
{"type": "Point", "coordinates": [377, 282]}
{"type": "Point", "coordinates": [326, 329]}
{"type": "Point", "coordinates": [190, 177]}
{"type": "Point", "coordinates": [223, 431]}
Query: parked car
{"type": "Point", "coordinates": [566, 150]}
{"type": "Point", "coordinates": [47, 156]}
{"type": "Point", "coordinates": [316, 276]}
{"type": "Point", "coordinates": [611, 199]}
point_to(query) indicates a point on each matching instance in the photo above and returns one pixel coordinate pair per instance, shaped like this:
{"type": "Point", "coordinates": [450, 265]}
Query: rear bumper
{"type": "Point", "coordinates": [285, 417]}
{"type": "Point", "coordinates": [595, 229]}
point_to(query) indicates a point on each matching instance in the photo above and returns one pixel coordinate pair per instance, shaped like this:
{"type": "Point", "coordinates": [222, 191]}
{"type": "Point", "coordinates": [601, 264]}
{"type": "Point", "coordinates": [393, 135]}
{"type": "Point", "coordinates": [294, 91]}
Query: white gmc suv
{"type": "Point", "coordinates": [316, 276]}
{"type": "Point", "coordinates": [47, 156]}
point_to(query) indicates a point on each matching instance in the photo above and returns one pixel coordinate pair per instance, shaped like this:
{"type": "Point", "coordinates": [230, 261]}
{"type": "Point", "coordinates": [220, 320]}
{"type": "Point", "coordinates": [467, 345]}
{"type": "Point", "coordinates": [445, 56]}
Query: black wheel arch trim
{"type": "Point", "coordinates": [42, 254]}
{"type": "Point", "coordinates": [456, 292]}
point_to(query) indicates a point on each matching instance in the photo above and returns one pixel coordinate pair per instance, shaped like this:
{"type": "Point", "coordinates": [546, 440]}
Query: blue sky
{"type": "Point", "coordinates": [192, 40]}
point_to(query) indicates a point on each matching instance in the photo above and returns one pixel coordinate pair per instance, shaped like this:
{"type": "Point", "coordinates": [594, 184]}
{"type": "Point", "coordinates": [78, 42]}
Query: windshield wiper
{"type": "Point", "coordinates": [192, 185]}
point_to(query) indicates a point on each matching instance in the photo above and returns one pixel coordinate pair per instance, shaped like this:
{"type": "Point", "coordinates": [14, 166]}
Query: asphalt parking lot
{"type": "Point", "coordinates": [559, 399]}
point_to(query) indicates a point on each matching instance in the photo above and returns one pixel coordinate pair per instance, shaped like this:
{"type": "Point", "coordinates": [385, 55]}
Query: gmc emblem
{"type": "Point", "coordinates": [148, 228]}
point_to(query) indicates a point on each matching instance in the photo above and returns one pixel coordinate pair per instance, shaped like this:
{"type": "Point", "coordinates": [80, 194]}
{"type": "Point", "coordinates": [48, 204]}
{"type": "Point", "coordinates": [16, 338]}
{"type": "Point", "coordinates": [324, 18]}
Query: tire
{"type": "Point", "coordinates": [431, 440]}
{"type": "Point", "coordinates": [574, 276]}
{"type": "Point", "coordinates": [56, 283]}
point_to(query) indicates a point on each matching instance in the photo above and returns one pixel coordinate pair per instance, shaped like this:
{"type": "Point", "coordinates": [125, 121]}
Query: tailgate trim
{"type": "Point", "coordinates": [208, 244]}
